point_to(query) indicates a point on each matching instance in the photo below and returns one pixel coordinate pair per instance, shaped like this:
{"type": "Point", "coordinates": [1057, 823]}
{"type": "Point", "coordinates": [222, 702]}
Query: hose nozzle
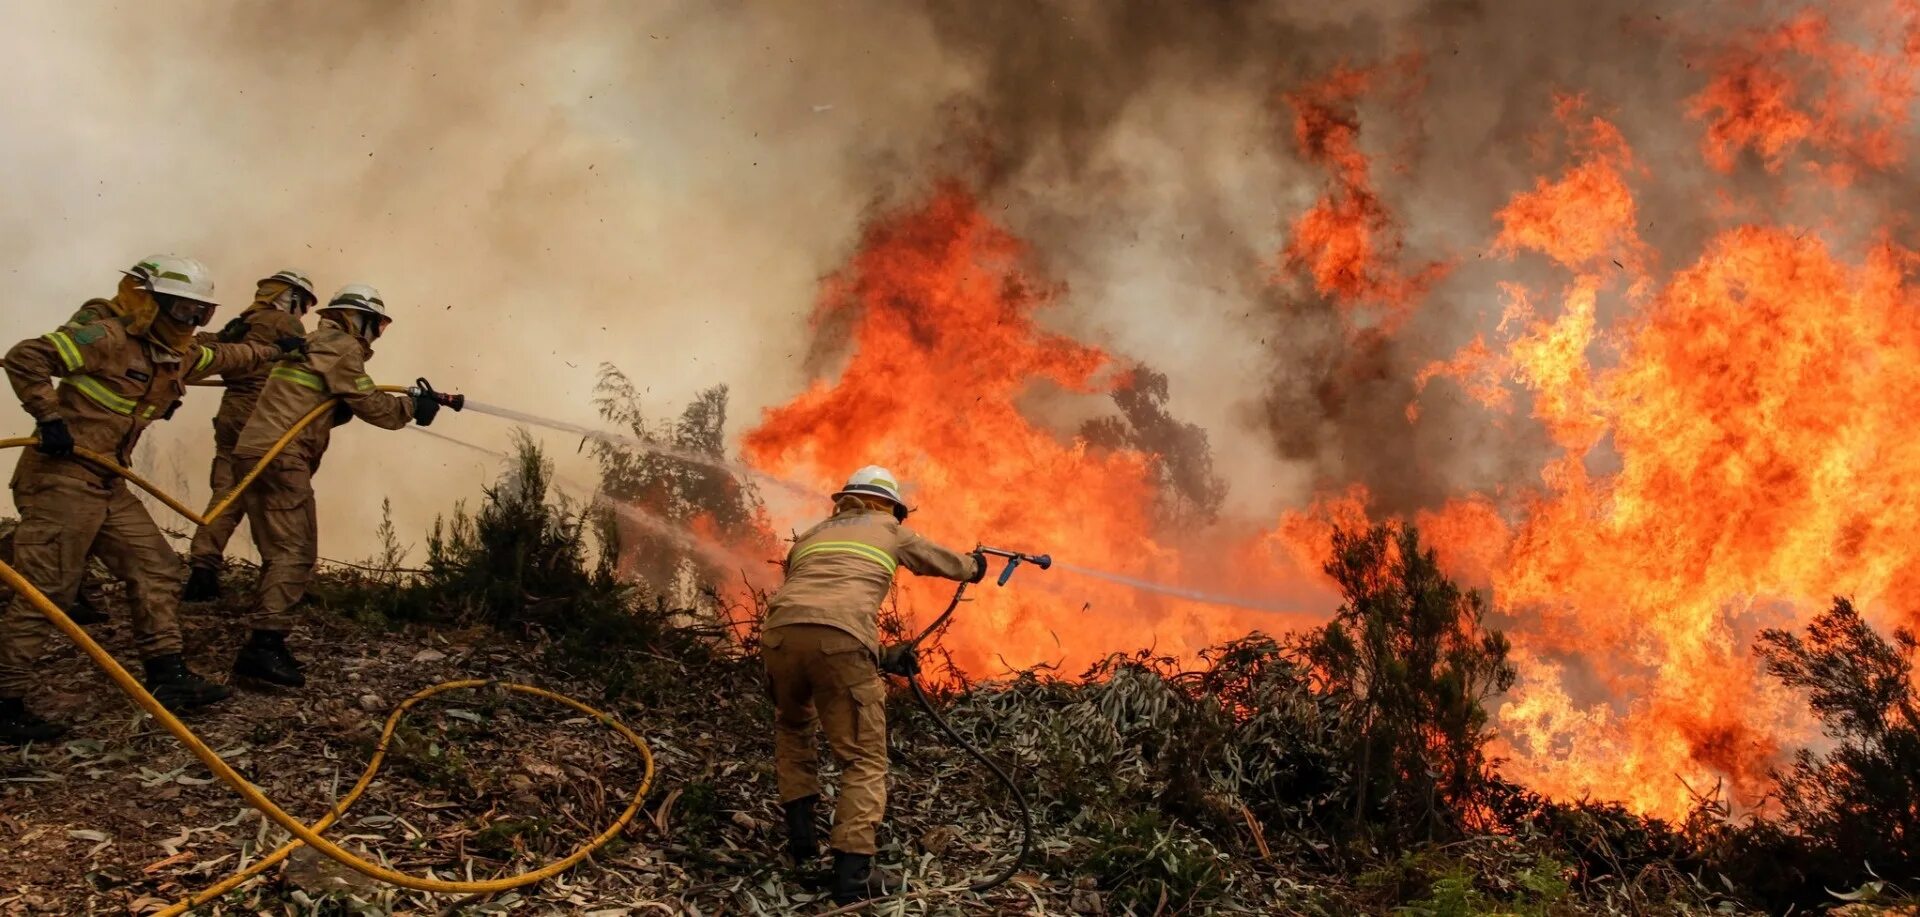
{"type": "Point", "coordinates": [1014, 559]}
{"type": "Point", "coordinates": [454, 401]}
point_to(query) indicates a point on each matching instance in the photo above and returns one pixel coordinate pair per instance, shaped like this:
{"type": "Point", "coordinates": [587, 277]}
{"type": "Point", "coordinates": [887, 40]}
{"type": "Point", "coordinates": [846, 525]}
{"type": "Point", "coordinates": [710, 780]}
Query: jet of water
{"type": "Point", "coordinates": [712, 551]}
{"type": "Point", "coordinates": [633, 442]}
{"type": "Point", "coordinates": [1195, 595]}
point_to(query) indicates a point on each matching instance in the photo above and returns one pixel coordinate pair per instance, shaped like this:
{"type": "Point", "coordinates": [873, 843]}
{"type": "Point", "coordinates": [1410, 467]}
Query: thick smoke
{"type": "Point", "coordinates": [536, 189]}
{"type": "Point", "coordinates": [542, 188]}
{"type": "Point", "coordinates": [1148, 151]}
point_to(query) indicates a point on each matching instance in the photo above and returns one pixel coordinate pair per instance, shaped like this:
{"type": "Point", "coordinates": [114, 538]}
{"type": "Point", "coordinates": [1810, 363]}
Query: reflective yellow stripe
{"type": "Point", "coordinates": [102, 396]}
{"type": "Point", "coordinates": [69, 352]}
{"type": "Point", "coordinates": [364, 383]}
{"type": "Point", "coordinates": [849, 547]}
{"type": "Point", "coordinates": [206, 359]}
{"type": "Point", "coordinates": [298, 376]}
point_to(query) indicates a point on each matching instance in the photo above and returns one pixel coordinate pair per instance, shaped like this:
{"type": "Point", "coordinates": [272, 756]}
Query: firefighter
{"type": "Point", "coordinates": [119, 372]}
{"type": "Point", "coordinates": [821, 646]}
{"type": "Point", "coordinates": [279, 302]}
{"type": "Point", "coordinates": [279, 505]}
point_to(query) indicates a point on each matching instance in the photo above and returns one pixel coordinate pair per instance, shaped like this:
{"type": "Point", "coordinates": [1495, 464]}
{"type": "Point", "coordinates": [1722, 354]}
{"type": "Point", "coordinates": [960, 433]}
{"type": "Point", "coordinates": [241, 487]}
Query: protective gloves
{"type": "Point", "coordinates": [291, 344]}
{"type": "Point", "coordinates": [979, 565]}
{"type": "Point", "coordinates": [55, 439]}
{"type": "Point", "coordinates": [426, 403]}
{"type": "Point", "coordinates": [900, 659]}
{"type": "Point", "coordinates": [235, 331]}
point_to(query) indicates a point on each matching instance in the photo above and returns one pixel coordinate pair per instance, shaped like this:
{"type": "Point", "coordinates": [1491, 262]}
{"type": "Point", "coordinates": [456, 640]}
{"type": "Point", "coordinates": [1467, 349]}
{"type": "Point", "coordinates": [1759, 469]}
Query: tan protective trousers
{"type": "Point", "coordinates": [825, 677]}
{"type": "Point", "coordinates": [280, 512]}
{"type": "Point", "coordinates": [62, 520]}
{"type": "Point", "coordinates": [210, 541]}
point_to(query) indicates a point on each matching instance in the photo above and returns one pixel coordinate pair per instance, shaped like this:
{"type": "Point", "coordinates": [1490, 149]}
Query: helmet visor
{"type": "Point", "coordinates": [185, 311]}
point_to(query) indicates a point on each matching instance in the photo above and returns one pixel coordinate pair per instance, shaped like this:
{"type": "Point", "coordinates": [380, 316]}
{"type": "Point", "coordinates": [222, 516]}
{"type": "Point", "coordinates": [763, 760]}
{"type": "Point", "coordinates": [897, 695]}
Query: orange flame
{"type": "Point", "coordinates": [1347, 243]}
{"type": "Point", "coordinates": [1731, 440]}
{"type": "Point", "coordinates": [944, 347]}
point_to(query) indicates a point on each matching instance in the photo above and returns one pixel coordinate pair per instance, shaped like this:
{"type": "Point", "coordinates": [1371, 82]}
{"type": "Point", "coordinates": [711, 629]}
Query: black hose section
{"type": "Point", "coordinates": [1026, 813]}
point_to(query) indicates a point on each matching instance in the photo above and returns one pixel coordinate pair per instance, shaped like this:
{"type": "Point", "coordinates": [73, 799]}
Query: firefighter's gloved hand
{"type": "Point", "coordinates": [342, 414]}
{"type": "Point", "coordinates": [979, 565]}
{"type": "Point", "coordinates": [55, 439]}
{"type": "Point", "coordinates": [426, 403]}
{"type": "Point", "coordinates": [235, 331]}
{"type": "Point", "coordinates": [900, 659]}
{"type": "Point", "coordinates": [291, 344]}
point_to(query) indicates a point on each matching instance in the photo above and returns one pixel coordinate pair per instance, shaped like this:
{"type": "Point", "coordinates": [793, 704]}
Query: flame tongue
{"type": "Point", "coordinates": [944, 344]}
{"type": "Point", "coordinates": [1734, 451]}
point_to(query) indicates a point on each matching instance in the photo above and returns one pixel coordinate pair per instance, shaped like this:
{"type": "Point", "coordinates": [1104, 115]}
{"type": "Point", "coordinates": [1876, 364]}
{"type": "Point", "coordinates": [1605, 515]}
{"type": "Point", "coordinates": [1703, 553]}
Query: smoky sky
{"type": "Point", "coordinates": [541, 188]}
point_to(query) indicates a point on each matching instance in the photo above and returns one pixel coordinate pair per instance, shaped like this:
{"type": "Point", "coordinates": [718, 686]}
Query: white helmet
{"type": "Point", "coordinates": [875, 481]}
{"type": "Point", "coordinates": [358, 297]}
{"type": "Point", "coordinates": [173, 275]}
{"type": "Point", "coordinates": [361, 298]}
{"type": "Point", "coordinates": [296, 279]}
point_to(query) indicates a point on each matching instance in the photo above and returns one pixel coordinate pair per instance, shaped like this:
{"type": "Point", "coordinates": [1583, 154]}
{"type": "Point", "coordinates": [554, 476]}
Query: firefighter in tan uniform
{"type": "Point", "coordinates": [117, 376]}
{"type": "Point", "coordinates": [822, 650]}
{"type": "Point", "coordinates": [278, 303]}
{"type": "Point", "coordinates": [279, 505]}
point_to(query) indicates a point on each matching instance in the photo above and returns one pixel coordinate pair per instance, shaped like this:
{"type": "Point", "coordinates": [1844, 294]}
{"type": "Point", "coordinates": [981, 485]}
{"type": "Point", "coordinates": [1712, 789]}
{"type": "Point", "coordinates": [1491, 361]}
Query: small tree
{"type": "Point", "coordinates": [1189, 491]}
{"type": "Point", "coordinates": [1407, 655]}
{"type": "Point", "coordinates": [683, 481]}
{"type": "Point", "coordinates": [1854, 812]}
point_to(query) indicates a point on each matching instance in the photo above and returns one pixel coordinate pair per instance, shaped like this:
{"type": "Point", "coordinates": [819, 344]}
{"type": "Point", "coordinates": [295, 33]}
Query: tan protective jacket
{"type": "Point", "coordinates": [840, 570]}
{"type": "Point", "coordinates": [113, 386]}
{"type": "Point", "coordinates": [335, 365]}
{"type": "Point", "coordinates": [264, 325]}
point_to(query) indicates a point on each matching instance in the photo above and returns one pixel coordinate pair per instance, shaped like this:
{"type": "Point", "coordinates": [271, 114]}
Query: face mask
{"type": "Point", "coordinates": [174, 321]}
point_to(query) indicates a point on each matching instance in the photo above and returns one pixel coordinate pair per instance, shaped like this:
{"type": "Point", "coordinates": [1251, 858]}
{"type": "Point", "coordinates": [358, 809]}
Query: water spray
{"type": "Point", "coordinates": [1180, 592]}
{"type": "Point", "coordinates": [634, 442]}
{"type": "Point", "coordinates": [714, 552]}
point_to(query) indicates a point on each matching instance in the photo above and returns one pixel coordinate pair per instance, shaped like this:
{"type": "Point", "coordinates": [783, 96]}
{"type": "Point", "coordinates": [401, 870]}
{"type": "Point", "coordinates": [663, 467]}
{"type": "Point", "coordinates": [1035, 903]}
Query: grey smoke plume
{"type": "Point", "coordinates": [542, 188]}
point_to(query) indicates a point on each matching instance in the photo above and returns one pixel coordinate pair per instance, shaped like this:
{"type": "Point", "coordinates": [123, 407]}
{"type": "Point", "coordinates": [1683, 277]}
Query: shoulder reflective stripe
{"type": "Point", "coordinates": [99, 394]}
{"type": "Point", "coordinates": [364, 383]}
{"type": "Point", "coordinates": [206, 359]}
{"type": "Point", "coordinates": [69, 352]}
{"type": "Point", "coordinates": [849, 547]}
{"type": "Point", "coordinates": [298, 376]}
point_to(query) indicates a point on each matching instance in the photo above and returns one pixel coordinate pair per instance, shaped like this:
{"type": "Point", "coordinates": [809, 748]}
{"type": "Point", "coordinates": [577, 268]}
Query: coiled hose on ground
{"type": "Point", "coordinates": [309, 835]}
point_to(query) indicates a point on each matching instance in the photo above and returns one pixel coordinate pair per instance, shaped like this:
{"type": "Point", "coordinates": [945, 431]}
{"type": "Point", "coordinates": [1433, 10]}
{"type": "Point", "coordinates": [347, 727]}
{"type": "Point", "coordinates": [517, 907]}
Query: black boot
{"type": "Point", "coordinates": [84, 612]}
{"type": "Point", "coordinates": [855, 879]}
{"type": "Point", "coordinates": [203, 585]}
{"type": "Point", "coordinates": [803, 833]}
{"type": "Point", "coordinates": [177, 688]}
{"type": "Point", "coordinates": [265, 659]}
{"type": "Point", "coordinates": [18, 725]}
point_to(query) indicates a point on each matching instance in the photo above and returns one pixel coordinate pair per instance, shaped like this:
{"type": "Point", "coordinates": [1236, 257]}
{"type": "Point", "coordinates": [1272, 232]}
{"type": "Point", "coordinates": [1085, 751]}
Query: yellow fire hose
{"type": "Point", "coordinates": [305, 834]}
